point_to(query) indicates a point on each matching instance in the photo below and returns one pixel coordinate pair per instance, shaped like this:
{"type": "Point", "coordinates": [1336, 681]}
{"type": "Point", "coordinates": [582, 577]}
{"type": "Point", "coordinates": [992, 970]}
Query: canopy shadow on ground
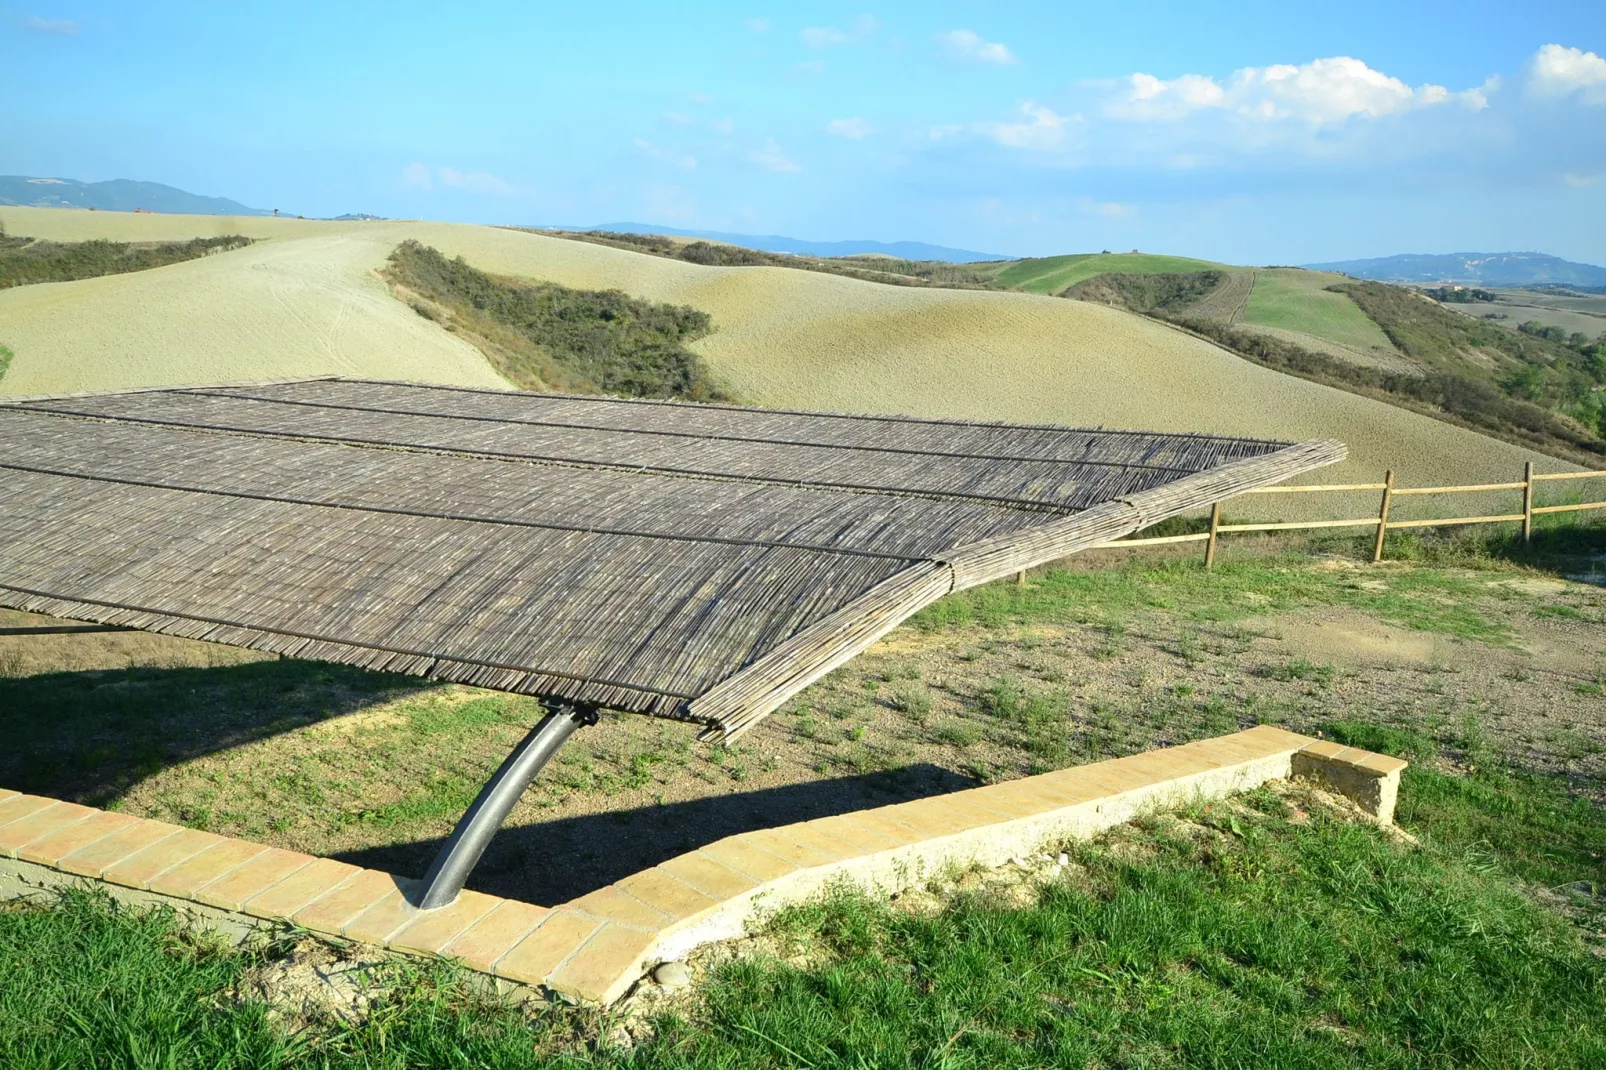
{"type": "Point", "coordinates": [89, 736]}
{"type": "Point", "coordinates": [555, 861]}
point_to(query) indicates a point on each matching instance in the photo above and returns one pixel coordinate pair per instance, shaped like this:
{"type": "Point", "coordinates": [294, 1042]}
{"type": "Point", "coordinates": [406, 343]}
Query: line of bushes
{"type": "Point", "coordinates": [1475, 402]}
{"type": "Point", "coordinates": [26, 260]}
{"type": "Point", "coordinates": [545, 336]}
{"type": "Point", "coordinates": [887, 270]}
{"type": "Point", "coordinates": [1147, 293]}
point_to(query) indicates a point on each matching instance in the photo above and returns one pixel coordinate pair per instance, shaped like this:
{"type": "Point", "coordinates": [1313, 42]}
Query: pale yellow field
{"type": "Point", "coordinates": [306, 301]}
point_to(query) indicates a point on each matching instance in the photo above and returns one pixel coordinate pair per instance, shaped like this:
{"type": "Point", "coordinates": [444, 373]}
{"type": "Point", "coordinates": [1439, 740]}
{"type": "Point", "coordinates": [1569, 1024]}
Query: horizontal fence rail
{"type": "Point", "coordinates": [1380, 522]}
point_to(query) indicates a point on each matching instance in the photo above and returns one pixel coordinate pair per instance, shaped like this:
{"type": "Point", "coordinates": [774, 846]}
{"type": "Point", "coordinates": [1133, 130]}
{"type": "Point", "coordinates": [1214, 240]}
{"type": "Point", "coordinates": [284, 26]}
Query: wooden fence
{"type": "Point", "coordinates": [1381, 522]}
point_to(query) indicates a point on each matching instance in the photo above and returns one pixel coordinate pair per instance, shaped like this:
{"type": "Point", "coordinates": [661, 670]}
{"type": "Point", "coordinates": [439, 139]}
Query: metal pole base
{"type": "Point", "coordinates": [496, 800]}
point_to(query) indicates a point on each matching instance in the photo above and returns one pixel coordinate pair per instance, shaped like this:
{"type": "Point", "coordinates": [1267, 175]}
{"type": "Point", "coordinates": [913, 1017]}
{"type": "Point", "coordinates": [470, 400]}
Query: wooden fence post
{"type": "Point", "coordinates": [1020, 578]}
{"type": "Point", "coordinates": [1383, 515]}
{"type": "Point", "coordinates": [1210, 543]}
{"type": "Point", "coordinates": [1528, 503]}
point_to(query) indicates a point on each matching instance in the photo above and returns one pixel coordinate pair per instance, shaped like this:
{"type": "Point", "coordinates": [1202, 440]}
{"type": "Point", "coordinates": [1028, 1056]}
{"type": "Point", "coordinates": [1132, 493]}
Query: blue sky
{"type": "Point", "coordinates": [1274, 133]}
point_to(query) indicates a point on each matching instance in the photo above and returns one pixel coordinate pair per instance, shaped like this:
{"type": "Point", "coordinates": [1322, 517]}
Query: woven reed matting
{"type": "Point", "coordinates": [694, 561]}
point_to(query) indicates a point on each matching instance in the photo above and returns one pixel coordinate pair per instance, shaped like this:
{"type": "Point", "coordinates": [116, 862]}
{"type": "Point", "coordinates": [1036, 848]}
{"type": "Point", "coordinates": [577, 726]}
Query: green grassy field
{"type": "Point", "coordinates": [1295, 300]}
{"type": "Point", "coordinates": [1051, 274]}
{"type": "Point", "coordinates": [1270, 930]}
{"type": "Point", "coordinates": [1263, 931]}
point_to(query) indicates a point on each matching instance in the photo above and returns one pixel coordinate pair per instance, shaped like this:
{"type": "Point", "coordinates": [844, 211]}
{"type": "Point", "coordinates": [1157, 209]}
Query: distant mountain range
{"type": "Point", "coordinates": [1487, 269]}
{"type": "Point", "coordinates": [775, 243]}
{"type": "Point", "coordinates": [118, 195]}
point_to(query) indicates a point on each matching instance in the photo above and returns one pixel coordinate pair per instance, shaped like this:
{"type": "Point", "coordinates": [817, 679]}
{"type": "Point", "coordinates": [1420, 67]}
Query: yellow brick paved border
{"type": "Point", "coordinates": [595, 948]}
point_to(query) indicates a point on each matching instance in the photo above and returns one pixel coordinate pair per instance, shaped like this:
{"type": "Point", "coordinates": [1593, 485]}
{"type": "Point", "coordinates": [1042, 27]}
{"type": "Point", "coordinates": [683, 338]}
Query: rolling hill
{"type": "Point", "coordinates": [1388, 342]}
{"type": "Point", "coordinates": [306, 299]}
{"type": "Point", "coordinates": [118, 195]}
{"type": "Point", "coordinates": [1483, 269]}
{"type": "Point", "coordinates": [1052, 274]}
{"type": "Point", "coordinates": [776, 243]}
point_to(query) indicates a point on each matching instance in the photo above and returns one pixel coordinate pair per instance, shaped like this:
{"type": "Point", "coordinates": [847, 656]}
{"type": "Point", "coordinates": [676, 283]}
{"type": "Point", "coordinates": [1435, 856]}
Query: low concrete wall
{"type": "Point", "coordinates": [595, 948]}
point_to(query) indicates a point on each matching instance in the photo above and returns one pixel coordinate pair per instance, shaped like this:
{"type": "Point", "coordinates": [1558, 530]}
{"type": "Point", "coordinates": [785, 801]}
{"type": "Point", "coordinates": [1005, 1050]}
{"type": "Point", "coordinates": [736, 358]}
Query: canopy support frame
{"type": "Point", "coordinates": [480, 822]}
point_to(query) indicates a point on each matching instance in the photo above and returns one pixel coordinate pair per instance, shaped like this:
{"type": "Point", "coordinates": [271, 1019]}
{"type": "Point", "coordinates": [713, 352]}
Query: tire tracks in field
{"type": "Point", "coordinates": [1249, 291]}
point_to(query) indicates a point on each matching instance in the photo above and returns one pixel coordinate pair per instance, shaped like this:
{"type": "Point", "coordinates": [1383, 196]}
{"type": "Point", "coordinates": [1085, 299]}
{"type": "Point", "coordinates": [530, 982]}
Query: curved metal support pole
{"type": "Point", "coordinates": [473, 833]}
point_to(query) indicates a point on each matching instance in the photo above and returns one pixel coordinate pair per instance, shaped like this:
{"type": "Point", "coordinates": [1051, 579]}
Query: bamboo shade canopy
{"type": "Point", "coordinates": [701, 562]}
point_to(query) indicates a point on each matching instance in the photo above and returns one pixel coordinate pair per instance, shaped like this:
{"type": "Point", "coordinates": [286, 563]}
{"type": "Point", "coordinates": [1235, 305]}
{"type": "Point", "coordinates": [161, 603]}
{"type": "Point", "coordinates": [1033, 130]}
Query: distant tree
{"type": "Point", "coordinates": [1528, 383]}
{"type": "Point", "coordinates": [1540, 330]}
{"type": "Point", "coordinates": [1459, 295]}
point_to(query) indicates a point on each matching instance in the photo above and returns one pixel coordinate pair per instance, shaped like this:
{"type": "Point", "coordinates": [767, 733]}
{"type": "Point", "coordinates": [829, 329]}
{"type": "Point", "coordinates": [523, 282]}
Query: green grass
{"type": "Point", "coordinates": [1423, 599]}
{"type": "Point", "coordinates": [1533, 826]}
{"type": "Point", "coordinates": [1295, 300]}
{"type": "Point", "coordinates": [1239, 939]}
{"type": "Point", "coordinates": [1051, 274]}
{"type": "Point", "coordinates": [6, 357]}
{"type": "Point", "coordinates": [88, 985]}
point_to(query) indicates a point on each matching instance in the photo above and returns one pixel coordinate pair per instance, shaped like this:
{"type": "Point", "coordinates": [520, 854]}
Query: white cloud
{"type": "Point", "coordinates": [854, 129]}
{"type": "Point", "coordinates": [826, 36]}
{"type": "Point", "coordinates": [722, 126]}
{"type": "Point", "coordinates": [417, 176]}
{"type": "Point", "coordinates": [1109, 209]}
{"type": "Point", "coordinates": [771, 158]}
{"type": "Point", "coordinates": [1322, 91]}
{"type": "Point", "coordinates": [672, 157]}
{"type": "Point", "coordinates": [968, 45]}
{"type": "Point", "coordinates": [669, 202]}
{"type": "Point", "coordinates": [1150, 98]}
{"type": "Point", "coordinates": [60, 27]}
{"type": "Point", "coordinates": [1559, 71]}
{"type": "Point", "coordinates": [1041, 128]}
{"type": "Point", "coordinates": [474, 182]}
{"type": "Point", "coordinates": [677, 118]}
{"type": "Point", "coordinates": [1577, 181]}
{"type": "Point", "coordinates": [759, 25]}
{"type": "Point", "coordinates": [823, 36]}
{"type": "Point", "coordinates": [809, 68]}
{"type": "Point", "coordinates": [701, 98]}
{"type": "Point", "coordinates": [1478, 99]}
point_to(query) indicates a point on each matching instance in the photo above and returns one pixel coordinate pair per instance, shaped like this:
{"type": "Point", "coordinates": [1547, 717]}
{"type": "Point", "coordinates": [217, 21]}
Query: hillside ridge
{"type": "Point", "coordinates": [1490, 269]}
{"type": "Point", "coordinates": [779, 243]}
{"type": "Point", "coordinates": [116, 195]}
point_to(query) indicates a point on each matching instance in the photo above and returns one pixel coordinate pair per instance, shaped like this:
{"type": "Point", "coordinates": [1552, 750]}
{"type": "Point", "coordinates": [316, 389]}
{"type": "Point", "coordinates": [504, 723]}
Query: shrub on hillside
{"type": "Point", "coordinates": [585, 341]}
{"type": "Point", "coordinates": [1170, 292]}
{"type": "Point", "coordinates": [24, 260]}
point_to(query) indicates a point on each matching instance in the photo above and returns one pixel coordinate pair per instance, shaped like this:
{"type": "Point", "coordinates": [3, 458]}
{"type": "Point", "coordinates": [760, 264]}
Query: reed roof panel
{"type": "Point", "coordinates": [692, 561]}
